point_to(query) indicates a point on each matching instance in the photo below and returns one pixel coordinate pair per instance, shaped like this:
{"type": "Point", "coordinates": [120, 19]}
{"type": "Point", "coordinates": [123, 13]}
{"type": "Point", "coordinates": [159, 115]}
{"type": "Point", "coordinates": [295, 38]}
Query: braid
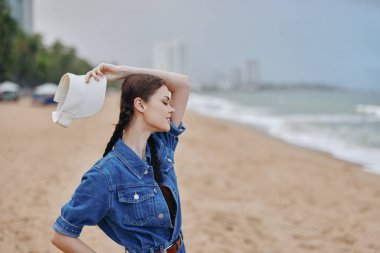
{"type": "Point", "coordinates": [155, 160]}
{"type": "Point", "coordinates": [124, 118]}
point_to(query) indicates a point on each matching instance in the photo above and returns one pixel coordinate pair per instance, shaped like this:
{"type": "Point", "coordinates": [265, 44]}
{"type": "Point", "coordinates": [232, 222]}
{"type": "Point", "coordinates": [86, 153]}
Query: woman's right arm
{"type": "Point", "coordinates": [69, 244]}
{"type": "Point", "coordinates": [88, 205]}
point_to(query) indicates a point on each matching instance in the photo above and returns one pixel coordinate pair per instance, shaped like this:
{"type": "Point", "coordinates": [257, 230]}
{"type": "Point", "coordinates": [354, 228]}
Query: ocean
{"type": "Point", "coordinates": [345, 124]}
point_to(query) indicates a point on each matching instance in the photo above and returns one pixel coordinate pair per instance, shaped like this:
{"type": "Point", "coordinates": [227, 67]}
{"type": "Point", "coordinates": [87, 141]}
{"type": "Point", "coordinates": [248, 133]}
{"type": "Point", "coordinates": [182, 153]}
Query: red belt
{"type": "Point", "coordinates": [174, 247]}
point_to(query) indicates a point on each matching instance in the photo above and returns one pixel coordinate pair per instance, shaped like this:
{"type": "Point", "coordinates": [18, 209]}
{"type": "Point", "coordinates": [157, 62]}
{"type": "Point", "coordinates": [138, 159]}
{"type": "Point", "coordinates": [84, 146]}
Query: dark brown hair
{"type": "Point", "coordinates": [142, 86]}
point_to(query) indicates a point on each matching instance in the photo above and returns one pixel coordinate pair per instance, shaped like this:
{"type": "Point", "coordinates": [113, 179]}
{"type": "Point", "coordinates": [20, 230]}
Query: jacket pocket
{"type": "Point", "coordinates": [138, 204]}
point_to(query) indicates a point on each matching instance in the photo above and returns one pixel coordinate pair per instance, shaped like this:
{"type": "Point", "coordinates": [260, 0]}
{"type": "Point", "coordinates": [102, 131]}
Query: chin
{"type": "Point", "coordinates": [167, 128]}
{"type": "Point", "coordinates": [164, 128]}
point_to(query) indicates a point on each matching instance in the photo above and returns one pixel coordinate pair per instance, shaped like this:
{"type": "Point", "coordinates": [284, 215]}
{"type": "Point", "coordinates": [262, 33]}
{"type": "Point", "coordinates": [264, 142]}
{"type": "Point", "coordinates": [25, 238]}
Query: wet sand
{"type": "Point", "coordinates": [241, 191]}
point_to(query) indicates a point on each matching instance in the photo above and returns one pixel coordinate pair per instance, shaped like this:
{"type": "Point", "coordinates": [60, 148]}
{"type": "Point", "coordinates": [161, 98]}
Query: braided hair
{"type": "Point", "coordinates": [154, 160]}
{"type": "Point", "coordinates": [133, 86]}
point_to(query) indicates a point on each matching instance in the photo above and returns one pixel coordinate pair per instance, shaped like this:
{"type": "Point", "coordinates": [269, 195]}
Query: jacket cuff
{"type": "Point", "coordinates": [176, 130]}
{"type": "Point", "coordinates": [64, 227]}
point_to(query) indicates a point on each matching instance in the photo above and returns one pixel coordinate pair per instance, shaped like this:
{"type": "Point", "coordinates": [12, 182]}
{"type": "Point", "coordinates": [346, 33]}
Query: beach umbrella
{"type": "Point", "coordinates": [46, 89]}
{"type": "Point", "coordinates": [8, 86]}
{"type": "Point", "coordinates": [44, 93]}
{"type": "Point", "coordinates": [9, 91]}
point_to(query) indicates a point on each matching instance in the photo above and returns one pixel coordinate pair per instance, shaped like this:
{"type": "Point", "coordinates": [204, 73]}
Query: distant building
{"type": "Point", "coordinates": [169, 55]}
{"type": "Point", "coordinates": [244, 77]}
{"type": "Point", "coordinates": [22, 12]}
{"type": "Point", "coordinates": [249, 75]}
{"type": "Point", "coordinates": [236, 79]}
{"type": "Point", "coordinates": [222, 81]}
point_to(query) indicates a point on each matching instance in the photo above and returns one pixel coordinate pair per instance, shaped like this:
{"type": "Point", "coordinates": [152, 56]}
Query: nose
{"type": "Point", "coordinates": [172, 110]}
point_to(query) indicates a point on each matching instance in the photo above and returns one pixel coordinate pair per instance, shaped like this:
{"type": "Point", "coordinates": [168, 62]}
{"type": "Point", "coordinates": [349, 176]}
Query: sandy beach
{"type": "Point", "coordinates": [241, 191]}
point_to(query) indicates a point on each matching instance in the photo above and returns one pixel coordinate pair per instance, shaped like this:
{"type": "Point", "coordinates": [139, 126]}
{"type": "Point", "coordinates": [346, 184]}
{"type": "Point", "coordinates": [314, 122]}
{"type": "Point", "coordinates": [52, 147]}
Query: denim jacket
{"type": "Point", "coordinates": [120, 195]}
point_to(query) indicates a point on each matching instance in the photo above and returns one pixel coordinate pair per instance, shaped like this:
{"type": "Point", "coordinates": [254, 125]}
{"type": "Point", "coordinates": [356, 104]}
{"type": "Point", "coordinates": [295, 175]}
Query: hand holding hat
{"type": "Point", "coordinates": [77, 98]}
{"type": "Point", "coordinates": [110, 71]}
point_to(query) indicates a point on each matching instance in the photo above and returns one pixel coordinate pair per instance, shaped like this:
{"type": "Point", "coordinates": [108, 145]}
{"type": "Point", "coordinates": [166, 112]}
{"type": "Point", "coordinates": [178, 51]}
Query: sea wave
{"type": "Point", "coordinates": [368, 109]}
{"type": "Point", "coordinates": [298, 129]}
{"type": "Point", "coordinates": [331, 118]}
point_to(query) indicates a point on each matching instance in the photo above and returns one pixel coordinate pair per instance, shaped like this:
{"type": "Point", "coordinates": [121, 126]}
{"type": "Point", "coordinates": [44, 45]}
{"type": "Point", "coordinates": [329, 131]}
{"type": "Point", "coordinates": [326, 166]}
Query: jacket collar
{"type": "Point", "coordinates": [130, 159]}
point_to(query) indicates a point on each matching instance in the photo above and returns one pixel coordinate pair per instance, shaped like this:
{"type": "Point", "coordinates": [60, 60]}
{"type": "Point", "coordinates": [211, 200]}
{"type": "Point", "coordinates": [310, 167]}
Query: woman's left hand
{"type": "Point", "coordinates": [110, 71]}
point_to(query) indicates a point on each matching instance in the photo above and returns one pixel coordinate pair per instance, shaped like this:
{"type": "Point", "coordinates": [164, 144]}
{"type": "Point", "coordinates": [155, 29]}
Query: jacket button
{"type": "Point", "coordinates": [170, 160]}
{"type": "Point", "coordinates": [136, 196]}
{"type": "Point", "coordinates": [161, 216]}
{"type": "Point", "coordinates": [154, 190]}
{"type": "Point", "coordinates": [145, 172]}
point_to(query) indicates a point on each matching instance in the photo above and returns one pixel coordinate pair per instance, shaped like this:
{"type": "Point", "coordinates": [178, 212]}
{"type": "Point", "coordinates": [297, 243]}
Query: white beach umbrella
{"type": "Point", "coordinates": [46, 89]}
{"type": "Point", "coordinates": [8, 86]}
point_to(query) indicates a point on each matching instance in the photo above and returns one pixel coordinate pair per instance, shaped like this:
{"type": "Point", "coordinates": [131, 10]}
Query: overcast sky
{"type": "Point", "coordinates": [330, 41]}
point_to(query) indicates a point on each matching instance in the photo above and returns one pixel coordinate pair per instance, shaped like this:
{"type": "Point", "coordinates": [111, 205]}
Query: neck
{"type": "Point", "coordinates": [136, 137]}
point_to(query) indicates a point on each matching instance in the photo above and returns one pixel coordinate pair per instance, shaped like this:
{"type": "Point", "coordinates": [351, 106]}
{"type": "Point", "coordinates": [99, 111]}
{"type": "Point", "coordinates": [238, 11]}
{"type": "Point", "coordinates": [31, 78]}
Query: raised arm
{"type": "Point", "coordinates": [178, 84]}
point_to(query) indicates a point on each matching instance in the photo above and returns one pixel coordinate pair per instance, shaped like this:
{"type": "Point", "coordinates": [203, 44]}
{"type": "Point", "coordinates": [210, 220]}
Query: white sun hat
{"type": "Point", "coordinates": [78, 99]}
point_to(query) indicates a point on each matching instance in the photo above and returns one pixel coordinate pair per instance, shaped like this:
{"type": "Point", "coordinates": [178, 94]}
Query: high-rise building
{"type": "Point", "coordinates": [22, 12]}
{"type": "Point", "coordinates": [169, 55]}
{"type": "Point", "coordinates": [246, 76]}
{"type": "Point", "coordinates": [249, 75]}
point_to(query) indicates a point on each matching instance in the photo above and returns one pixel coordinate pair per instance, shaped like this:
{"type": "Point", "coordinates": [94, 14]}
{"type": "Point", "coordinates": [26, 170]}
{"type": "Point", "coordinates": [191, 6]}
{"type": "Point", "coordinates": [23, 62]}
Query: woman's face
{"type": "Point", "coordinates": [157, 111]}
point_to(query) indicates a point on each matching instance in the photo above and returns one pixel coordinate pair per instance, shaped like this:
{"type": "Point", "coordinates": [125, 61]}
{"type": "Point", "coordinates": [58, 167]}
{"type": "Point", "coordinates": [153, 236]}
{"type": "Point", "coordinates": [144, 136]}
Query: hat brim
{"type": "Point", "coordinates": [78, 99]}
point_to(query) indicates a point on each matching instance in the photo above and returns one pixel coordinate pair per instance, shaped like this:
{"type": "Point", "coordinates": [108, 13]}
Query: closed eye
{"type": "Point", "coordinates": [166, 100]}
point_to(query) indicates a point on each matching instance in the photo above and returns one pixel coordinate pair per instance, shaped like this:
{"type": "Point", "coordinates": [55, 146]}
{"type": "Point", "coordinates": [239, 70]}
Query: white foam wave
{"type": "Point", "coordinates": [283, 127]}
{"type": "Point", "coordinates": [369, 158]}
{"type": "Point", "coordinates": [331, 118]}
{"type": "Point", "coordinates": [368, 109]}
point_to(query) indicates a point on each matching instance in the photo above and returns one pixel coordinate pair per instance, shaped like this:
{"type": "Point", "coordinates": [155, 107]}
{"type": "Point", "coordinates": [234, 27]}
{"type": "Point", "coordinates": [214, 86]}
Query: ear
{"type": "Point", "coordinates": [138, 103]}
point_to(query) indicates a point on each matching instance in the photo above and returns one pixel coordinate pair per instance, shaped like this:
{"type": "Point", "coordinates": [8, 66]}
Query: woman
{"type": "Point", "coordinates": [132, 193]}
